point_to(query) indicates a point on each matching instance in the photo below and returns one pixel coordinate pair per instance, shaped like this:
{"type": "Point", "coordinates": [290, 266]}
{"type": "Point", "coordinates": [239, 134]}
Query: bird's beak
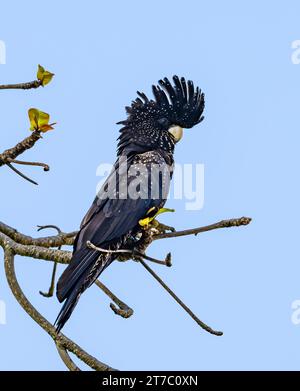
{"type": "Point", "coordinates": [177, 132]}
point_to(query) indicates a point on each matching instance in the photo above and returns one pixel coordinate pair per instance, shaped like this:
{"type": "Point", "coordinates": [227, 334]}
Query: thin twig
{"type": "Point", "coordinates": [134, 254]}
{"type": "Point", "coordinates": [52, 283]}
{"type": "Point", "coordinates": [47, 241]}
{"type": "Point", "coordinates": [180, 302]}
{"type": "Point", "coordinates": [124, 310]}
{"type": "Point", "coordinates": [42, 227]}
{"type": "Point", "coordinates": [24, 163]}
{"type": "Point", "coordinates": [21, 174]}
{"type": "Point", "coordinates": [22, 86]}
{"type": "Point", "coordinates": [166, 262]}
{"type": "Point", "coordinates": [104, 250]}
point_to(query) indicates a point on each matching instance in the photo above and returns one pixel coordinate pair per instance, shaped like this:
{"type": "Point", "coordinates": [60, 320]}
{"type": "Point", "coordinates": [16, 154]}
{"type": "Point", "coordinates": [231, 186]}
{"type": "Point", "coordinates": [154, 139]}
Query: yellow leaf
{"type": "Point", "coordinates": [43, 118]}
{"type": "Point", "coordinates": [44, 76]}
{"type": "Point", "coordinates": [47, 78]}
{"type": "Point", "coordinates": [40, 72]}
{"type": "Point", "coordinates": [39, 120]}
{"type": "Point", "coordinates": [33, 118]}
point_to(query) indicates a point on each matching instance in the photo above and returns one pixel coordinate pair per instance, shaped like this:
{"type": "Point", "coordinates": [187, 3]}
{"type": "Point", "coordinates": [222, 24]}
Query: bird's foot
{"type": "Point", "coordinates": [150, 222]}
{"type": "Point", "coordinates": [161, 228]}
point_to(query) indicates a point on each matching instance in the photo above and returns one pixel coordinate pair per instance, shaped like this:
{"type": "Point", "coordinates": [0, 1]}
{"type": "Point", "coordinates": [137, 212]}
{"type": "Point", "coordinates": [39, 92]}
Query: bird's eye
{"type": "Point", "coordinates": [164, 122]}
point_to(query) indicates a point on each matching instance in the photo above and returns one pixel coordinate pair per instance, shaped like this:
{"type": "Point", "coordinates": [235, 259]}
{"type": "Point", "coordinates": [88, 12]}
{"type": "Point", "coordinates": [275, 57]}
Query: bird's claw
{"type": "Point", "coordinates": [164, 228]}
{"type": "Point", "coordinates": [160, 227]}
{"type": "Point", "coordinates": [150, 221]}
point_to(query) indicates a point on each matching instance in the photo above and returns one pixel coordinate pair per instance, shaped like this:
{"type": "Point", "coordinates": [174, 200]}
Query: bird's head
{"type": "Point", "coordinates": [159, 123]}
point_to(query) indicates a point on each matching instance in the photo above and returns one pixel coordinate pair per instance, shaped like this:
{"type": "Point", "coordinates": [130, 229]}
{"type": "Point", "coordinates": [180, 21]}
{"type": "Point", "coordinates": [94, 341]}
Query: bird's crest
{"type": "Point", "coordinates": [180, 103]}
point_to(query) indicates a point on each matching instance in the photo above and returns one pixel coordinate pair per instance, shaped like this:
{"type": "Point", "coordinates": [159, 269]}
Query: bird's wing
{"type": "Point", "coordinates": [121, 166]}
{"type": "Point", "coordinates": [109, 221]}
{"type": "Point", "coordinates": [112, 217]}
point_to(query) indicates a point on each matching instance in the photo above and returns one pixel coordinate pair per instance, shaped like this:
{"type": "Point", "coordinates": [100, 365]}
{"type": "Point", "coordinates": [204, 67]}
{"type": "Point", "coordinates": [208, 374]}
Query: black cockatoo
{"type": "Point", "coordinates": [146, 140]}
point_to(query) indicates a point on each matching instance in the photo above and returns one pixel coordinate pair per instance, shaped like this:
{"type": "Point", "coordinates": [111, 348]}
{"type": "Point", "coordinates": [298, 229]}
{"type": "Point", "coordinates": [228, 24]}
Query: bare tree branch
{"type": "Point", "coordinates": [64, 355]}
{"type": "Point", "coordinates": [15, 243]}
{"type": "Point", "coordinates": [36, 252]}
{"type": "Point", "coordinates": [22, 86]}
{"type": "Point", "coordinates": [124, 310]}
{"type": "Point", "coordinates": [60, 338]}
{"type": "Point", "coordinates": [68, 238]}
{"type": "Point", "coordinates": [47, 241]}
{"type": "Point", "coordinates": [20, 148]}
{"type": "Point", "coordinates": [21, 174]}
{"type": "Point", "coordinates": [131, 254]}
{"type": "Point", "coordinates": [24, 163]}
{"type": "Point", "coordinates": [8, 156]}
{"type": "Point", "coordinates": [195, 231]}
{"type": "Point", "coordinates": [180, 302]}
{"type": "Point", "coordinates": [139, 256]}
{"type": "Point", "coordinates": [9, 238]}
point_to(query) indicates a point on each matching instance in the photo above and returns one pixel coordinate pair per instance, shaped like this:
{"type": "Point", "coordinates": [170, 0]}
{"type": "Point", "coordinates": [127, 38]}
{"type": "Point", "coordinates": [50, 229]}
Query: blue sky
{"type": "Point", "coordinates": [242, 281]}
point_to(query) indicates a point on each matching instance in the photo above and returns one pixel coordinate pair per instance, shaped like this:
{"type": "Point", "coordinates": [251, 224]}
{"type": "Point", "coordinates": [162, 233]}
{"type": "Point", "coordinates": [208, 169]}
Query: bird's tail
{"type": "Point", "coordinates": [85, 267]}
{"type": "Point", "coordinates": [66, 310]}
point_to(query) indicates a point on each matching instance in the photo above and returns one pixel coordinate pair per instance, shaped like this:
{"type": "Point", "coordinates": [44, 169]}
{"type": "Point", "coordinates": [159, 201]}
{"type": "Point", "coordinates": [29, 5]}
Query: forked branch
{"type": "Point", "coordinates": [16, 243]}
{"type": "Point", "coordinates": [10, 154]}
{"type": "Point", "coordinates": [60, 339]}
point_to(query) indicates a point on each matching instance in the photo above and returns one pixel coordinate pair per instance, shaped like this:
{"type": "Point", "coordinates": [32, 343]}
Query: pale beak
{"type": "Point", "coordinates": [177, 132]}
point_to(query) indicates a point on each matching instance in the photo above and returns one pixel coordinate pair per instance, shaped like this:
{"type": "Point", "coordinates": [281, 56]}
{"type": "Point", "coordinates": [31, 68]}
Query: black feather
{"type": "Point", "coordinates": [184, 88]}
{"type": "Point", "coordinates": [143, 96]}
{"type": "Point", "coordinates": [180, 103]}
